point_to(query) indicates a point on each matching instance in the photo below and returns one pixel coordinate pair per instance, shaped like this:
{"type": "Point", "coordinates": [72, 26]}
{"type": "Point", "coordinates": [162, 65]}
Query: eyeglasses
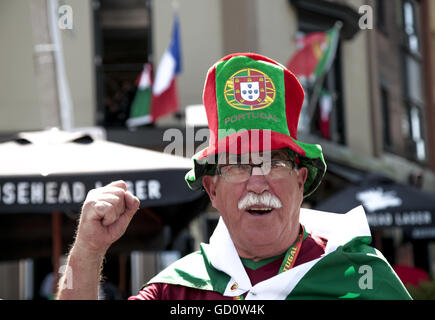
{"type": "Point", "coordinates": [272, 170]}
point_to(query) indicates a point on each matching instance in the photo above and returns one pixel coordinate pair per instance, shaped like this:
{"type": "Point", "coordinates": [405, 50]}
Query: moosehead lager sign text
{"type": "Point", "coordinates": [67, 193]}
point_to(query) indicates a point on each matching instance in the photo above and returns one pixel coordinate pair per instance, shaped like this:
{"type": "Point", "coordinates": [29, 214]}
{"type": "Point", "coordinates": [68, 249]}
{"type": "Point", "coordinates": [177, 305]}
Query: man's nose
{"type": "Point", "coordinates": [257, 181]}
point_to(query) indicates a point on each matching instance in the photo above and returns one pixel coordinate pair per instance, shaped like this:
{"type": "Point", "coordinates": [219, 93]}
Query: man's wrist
{"type": "Point", "coordinates": [83, 252]}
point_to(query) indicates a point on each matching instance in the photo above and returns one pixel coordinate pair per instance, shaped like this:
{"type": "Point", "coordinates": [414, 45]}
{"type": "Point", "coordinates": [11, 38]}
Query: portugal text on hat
{"type": "Point", "coordinates": [251, 115]}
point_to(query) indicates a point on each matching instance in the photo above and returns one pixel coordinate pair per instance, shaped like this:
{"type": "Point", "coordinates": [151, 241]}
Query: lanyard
{"type": "Point", "coordinates": [290, 257]}
{"type": "Point", "coordinates": [292, 253]}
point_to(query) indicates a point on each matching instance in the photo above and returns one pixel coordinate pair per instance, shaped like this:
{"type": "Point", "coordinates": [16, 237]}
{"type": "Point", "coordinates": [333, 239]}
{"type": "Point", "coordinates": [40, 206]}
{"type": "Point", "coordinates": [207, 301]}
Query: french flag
{"type": "Point", "coordinates": [164, 96]}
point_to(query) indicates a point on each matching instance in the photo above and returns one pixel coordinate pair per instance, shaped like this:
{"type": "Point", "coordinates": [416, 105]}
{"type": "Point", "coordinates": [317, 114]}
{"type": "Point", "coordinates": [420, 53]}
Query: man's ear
{"type": "Point", "coordinates": [209, 183]}
{"type": "Point", "coordinates": [302, 177]}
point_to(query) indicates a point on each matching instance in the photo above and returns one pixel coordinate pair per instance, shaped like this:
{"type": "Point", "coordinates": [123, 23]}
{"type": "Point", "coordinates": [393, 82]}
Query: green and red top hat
{"type": "Point", "coordinates": [249, 99]}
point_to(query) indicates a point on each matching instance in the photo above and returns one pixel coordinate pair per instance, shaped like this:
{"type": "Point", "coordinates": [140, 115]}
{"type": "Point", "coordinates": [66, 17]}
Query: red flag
{"type": "Point", "coordinates": [325, 114]}
{"type": "Point", "coordinates": [166, 102]}
{"type": "Point", "coordinates": [306, 59]}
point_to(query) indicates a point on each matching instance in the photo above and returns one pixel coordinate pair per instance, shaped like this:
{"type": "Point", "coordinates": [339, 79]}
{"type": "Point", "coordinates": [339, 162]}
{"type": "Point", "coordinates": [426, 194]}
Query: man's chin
{"type": "Point", "coordinates": [260, 229]}
{"type": "Point", "coordinates": [256, 240]}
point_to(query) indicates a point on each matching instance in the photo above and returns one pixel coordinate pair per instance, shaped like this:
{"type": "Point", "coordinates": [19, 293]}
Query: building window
{"type": "Point", "coordinates": [123, 46]}
{"type": "Point", "coordinates": [410, 26]}
{"type": "Point", "coordinates": [381, 22]}
{"type": "Point", "coordinates": [416, 119]}
{"type": "Point", "coordinates": [413, 115]}
{"type": "Point", "coordinates": [413, 79]}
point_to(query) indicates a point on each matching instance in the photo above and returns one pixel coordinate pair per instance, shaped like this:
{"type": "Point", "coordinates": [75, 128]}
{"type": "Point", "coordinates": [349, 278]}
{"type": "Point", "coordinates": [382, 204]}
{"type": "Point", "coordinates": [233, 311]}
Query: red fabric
{"type": "Point", "coordinates": [411, 275]}
{"type": "Point", "coordinates": [210, 103]}
{"type": "Point", "coordinates": [254, 56]}
{"type": "Point", "coordinates": [312, 248]}
{"type": "Point", "coordinates": [147, 68]}
{"type": "Point", "coordinates": [305, 60]}
{"type": "Point", "coordinates": [294, 98]}
{"type": "Point", "coordinates": [165, 103]}
{"type": "Point", "coordinates": [324, 128]}
{"type": "Point", "coordinates": [235, 143]}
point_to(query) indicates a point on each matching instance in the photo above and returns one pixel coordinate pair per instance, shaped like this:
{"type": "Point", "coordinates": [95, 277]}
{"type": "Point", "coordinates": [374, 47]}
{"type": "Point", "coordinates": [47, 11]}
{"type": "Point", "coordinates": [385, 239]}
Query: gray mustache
{"type": "Point", "coordinates": [267, 199]}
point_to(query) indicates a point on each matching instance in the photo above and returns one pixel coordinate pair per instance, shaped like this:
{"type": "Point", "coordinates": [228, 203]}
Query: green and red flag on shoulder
{"type": "Point", "coordinates": [348, 269]}
{"type": "Point", "coordinates": [315, 55]}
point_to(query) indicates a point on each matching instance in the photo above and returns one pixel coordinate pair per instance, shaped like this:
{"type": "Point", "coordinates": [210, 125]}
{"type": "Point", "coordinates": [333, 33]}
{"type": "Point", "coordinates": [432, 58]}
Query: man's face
{"type": "Point", "coordinates": [252, 224]}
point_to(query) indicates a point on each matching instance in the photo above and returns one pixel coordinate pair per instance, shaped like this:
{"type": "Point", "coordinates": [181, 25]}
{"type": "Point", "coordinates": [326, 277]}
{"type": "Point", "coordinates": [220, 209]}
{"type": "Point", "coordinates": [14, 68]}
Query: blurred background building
{"type": "Point", "coordinates": [380, 104]}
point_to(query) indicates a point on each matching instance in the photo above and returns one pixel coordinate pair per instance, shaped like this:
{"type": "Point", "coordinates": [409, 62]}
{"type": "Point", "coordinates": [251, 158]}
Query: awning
{"type": "Point", "coordinates": [46, 171]}
{"type": "Point", "coordinates": [387, 203]}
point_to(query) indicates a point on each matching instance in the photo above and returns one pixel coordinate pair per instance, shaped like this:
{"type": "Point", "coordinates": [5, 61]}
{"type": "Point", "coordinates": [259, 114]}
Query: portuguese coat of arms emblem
{"type": "Point", "coordinates": [249, 89]}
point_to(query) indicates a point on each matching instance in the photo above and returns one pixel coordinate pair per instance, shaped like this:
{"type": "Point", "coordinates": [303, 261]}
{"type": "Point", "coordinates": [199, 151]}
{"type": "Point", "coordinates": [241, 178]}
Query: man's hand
{"type": "Point", "coordinates": [106, 213]}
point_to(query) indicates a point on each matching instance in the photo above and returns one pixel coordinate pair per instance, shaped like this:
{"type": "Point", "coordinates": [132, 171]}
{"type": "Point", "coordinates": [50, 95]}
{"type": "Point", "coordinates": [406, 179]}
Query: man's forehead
{"type": "Point", "coordinates": [262, 156]}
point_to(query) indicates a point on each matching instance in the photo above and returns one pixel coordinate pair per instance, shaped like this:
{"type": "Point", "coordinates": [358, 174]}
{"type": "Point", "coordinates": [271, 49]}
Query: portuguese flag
{"type": "Point", "coordinates": [315, 54]}
{"type": "Point", "coordinates": [349, 269]}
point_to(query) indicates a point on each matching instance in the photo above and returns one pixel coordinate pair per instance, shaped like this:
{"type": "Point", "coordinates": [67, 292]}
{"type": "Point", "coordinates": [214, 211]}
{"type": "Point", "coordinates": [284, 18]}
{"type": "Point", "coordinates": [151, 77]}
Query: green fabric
{"type": "Point", "coordinates": [141, 103]}
{"type": "Point", "coordinates": [328, 56]}
{"type": "Point", "coordinates": [271, 117]}
{"type": "Point", "coordinates": [336, 276]}
{"type": "Point", "coordinates": [200, 168]}
{"type": "Point", "coordinates": [193, 271]}
{"type": "Point", "coordinates": [341, 274]}
{"type": "Point", "coordinates": [312, 151]}
{"type": "Point", "coordinates": [254, 265]}
{"type": "Point", "coordinates": [315, 163]}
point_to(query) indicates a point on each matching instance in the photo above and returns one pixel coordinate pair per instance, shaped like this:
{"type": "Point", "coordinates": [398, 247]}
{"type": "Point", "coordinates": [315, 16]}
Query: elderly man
{"type": "Point", "coordinates": [256, 174]}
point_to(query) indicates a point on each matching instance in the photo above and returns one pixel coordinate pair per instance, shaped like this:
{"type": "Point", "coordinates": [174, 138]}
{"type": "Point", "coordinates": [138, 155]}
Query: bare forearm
{"type": "Point", "coordinates": [105, 215]}
{"type": "Point", "coordinates": [81, 277]}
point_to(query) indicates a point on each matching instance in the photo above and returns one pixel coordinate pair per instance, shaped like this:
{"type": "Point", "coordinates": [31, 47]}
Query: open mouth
{"type": "Point", "coordinates": [259, 211]}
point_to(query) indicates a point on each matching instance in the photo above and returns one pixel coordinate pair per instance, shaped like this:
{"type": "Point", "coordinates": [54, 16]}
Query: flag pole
{"type": "Point", "coordinates": [63, 89]}
{"type": "Point", "coordinates": [315, 93]}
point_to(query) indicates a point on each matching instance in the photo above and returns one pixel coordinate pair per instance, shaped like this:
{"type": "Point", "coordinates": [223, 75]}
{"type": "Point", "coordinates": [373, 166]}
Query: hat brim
{"type": "Point", "coordinates": [309, 155]}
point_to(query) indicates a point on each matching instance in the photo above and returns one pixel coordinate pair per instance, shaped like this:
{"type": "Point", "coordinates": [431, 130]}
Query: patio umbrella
{"type": "Point", "coordinates": [52, 171]}
{"type": "Point", "coordinates": [387, 203]}
{"type": "Point", "coordinates": [46, 171]}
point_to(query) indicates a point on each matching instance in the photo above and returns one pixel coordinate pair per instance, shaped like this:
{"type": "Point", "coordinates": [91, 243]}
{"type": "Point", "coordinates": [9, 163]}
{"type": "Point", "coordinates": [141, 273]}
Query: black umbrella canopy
{"type": "Point", "coordinates": [54, 170]}
{"type": "Point", "coordinates": [387, 203]}
{"type": "Point", "coordinates": [44, 174]}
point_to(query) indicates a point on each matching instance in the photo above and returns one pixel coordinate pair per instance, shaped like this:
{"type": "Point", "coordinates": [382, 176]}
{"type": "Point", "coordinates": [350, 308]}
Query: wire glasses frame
{"type": "Point", "coordinates": [272, 170]}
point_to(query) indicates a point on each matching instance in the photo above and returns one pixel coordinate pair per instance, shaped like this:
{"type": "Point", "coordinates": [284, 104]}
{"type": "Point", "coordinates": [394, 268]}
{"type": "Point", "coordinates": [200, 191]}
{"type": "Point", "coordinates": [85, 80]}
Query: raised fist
{"type": "Point", "coordinates": [105, 215]}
